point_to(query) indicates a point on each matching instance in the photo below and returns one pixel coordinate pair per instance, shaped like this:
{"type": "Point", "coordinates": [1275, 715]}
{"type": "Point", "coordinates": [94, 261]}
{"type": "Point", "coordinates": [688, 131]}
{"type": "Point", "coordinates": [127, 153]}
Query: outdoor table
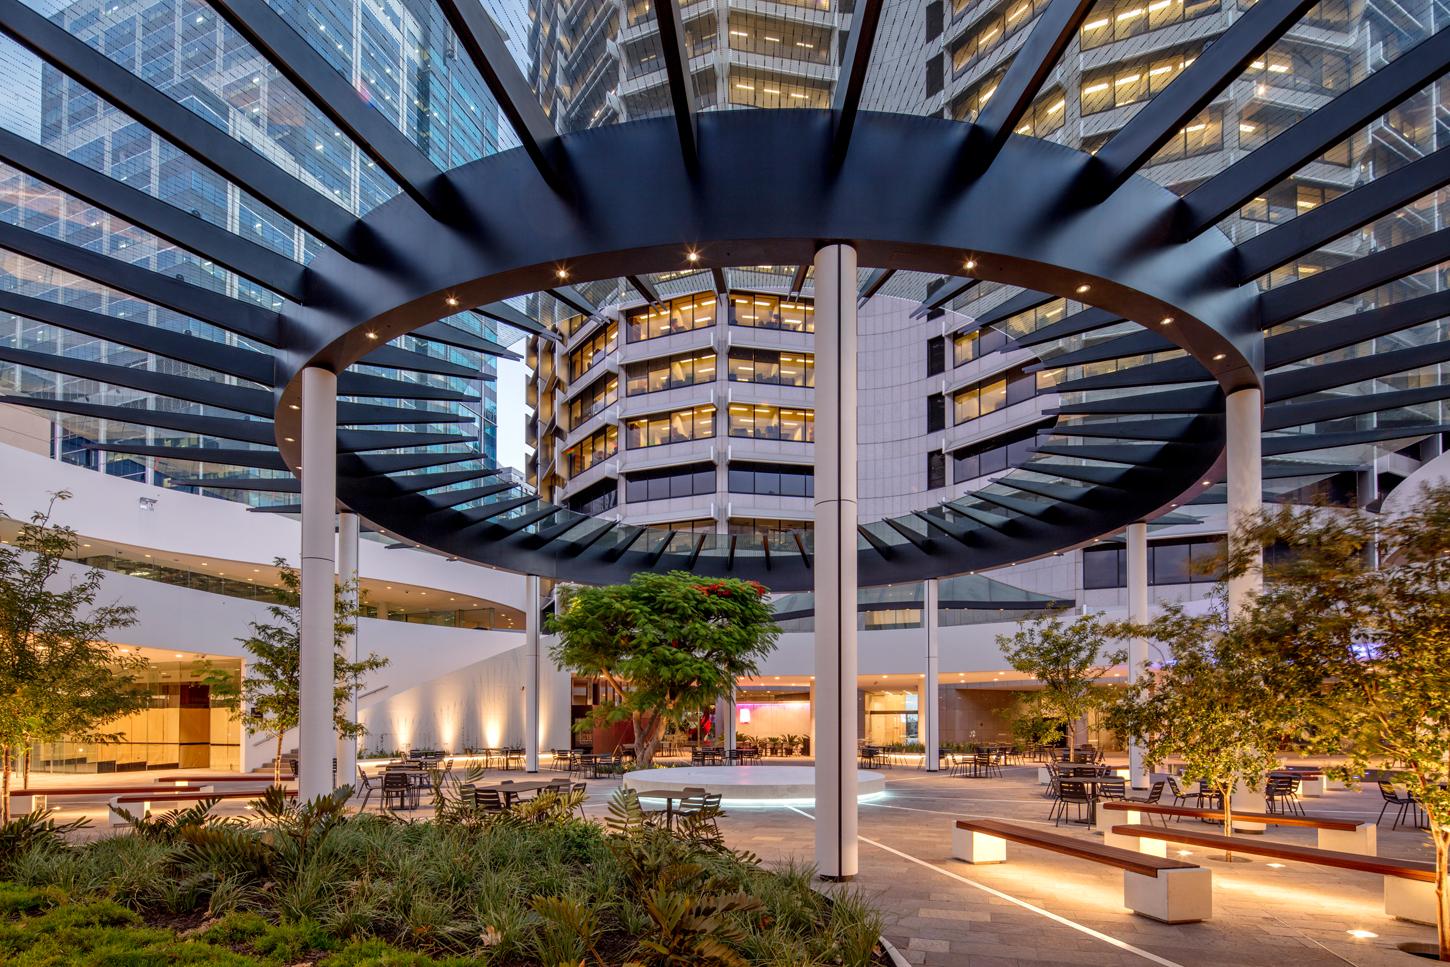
{"type": "Point", "coordinates": [669, 796]}
{"type": "Point", "coordinates": [591, 761]}
{"type": "Point", "coordinates": [510, 791]}
{"type": "Point", "coordinates": [1092, 783]}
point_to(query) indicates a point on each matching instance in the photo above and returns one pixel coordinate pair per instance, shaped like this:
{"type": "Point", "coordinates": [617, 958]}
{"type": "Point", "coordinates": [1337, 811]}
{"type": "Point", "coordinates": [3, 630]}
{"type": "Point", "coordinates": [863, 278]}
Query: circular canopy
{"type": "Point", "coordinates": [400, 283]}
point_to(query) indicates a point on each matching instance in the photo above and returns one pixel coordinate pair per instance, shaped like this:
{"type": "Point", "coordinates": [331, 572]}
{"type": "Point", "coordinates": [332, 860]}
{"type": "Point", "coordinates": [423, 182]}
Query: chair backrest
{"type": "Point", "coordinates": [488, 799]}
{"type": "Point", "coordinates": [468, 794]}
{"type": "Point", "coordinates": [363, 778]}
{"type": "Point", "coordinates": [581, 787]}
{"type": "Point", "coordinates": [394, 780]}
{"type": "Point", "coordinates": [1173, 785]}
{"type": "Point", "coordinates": [1071, 791]}
{"type": "Point", "coordinates": [1155, 793]}
{"type": "Point", "coordinates": [1387, 790]}
{"type": "Point", "coordinates": [1115, 788]}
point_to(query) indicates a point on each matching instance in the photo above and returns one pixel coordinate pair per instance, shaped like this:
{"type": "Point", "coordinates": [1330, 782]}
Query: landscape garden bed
{"type": "Point", "coordinates": [314, 884]}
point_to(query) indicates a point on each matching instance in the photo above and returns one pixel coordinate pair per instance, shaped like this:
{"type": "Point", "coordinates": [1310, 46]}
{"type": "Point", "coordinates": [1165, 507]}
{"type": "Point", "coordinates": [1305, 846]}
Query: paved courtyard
{"type": "Point", "coordinates": [1040, 908]}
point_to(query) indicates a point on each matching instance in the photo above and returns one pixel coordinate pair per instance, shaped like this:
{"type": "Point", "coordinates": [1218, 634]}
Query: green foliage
{"type": "Point", "coordinates": [1366, 649]}
{"type": "Point", "coordinates": [1031, 720]}
{"type": "Point", "coordinates": [1067, 658]}
{"type": "Point", "coordinates": [268, 697]}
{"type": "Point", "coordinates": [1217, 702]}
{"type": "Point", "coordinates": [305, 883]}
{"type": "Point", "coordinates": [668, 645]}
{"type": "Point", "coordinates": [59, 675]}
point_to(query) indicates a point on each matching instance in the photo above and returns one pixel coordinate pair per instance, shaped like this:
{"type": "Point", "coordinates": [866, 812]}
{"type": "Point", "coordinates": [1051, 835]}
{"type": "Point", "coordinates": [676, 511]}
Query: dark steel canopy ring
{"type": "Point", "coordinates": [901, 197]}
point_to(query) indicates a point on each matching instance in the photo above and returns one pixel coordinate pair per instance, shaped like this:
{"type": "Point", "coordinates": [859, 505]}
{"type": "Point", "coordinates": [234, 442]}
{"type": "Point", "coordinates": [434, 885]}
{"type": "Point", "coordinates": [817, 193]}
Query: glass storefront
{"type": "Point", "coordinates": [183, 727]}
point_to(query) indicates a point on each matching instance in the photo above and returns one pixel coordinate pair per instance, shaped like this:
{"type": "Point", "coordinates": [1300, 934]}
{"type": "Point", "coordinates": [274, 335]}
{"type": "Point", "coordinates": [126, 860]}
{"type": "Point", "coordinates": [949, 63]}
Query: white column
{"type": "Point", "coordinates": [316, 738]}
{"type": "Point", "coordinates": [347, 576]}
{"type": "Point", "coordinates": [1245, 481]}
{"type": "Point", "coordinates": [835, 562]}
{"type": "Point", "coordinates": [931, 709]}
{"type": "Point", "coordinates": [731, 720]}
{"type": "Point", "coordinates": [1137, 647]}
{"type": "Point", "coordinates": [531, 673]}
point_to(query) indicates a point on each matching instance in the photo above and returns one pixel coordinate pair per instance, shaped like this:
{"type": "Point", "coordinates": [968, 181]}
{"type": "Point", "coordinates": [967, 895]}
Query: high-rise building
{"type": "Point", "coordinates": [399, 55]}
{"type": "Point", "coordinates": [694, 413]}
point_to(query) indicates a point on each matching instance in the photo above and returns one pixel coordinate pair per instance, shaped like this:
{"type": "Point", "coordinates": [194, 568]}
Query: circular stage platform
{"type": "Point", "coordinates": [756, 785]}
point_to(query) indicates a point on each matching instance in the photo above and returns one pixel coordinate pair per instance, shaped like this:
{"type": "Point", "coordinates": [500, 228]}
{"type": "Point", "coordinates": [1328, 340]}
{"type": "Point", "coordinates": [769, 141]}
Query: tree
{"type": "Point", "coordinates": [268, 698]}
{"type": "Point", "coordinates": [1030, 722]}
{"type": "Point", "coordinates": [1369, 646]}
{"type": "Point", "coordinates": [1216, 701]}
{"type": "Point", "coordinates": [667, 644]}
{"type": "Point", "coordinates": [1068, 658]}
{"type": "Point", "coordinates": [59, 676]}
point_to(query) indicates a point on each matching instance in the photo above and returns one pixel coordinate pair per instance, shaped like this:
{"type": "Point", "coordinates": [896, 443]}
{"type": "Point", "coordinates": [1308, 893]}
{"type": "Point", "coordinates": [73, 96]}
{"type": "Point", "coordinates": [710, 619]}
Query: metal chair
{"type": "Point", "coordinates": [703, 805]}
{"type": "Point", "coordinates": [1392, 797]}
{"type": "Point", "coordinates": [1070, 793]}
{"type": "Point", "coordinates": [397, 786]}
{"type": "Point", "coordinates": [366, 785]}
{"type": "Point", "coordinates": [1281, 794]}
{"type": "Point", "coordinates": [1155, 793]}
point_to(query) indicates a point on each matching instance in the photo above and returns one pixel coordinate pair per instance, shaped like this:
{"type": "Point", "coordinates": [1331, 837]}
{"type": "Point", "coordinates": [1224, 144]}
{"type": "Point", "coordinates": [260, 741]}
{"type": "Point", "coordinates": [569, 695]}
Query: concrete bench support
{"type": "Point", "coordinates": [1412, 900]}
{"type": "Point", "coordinates": [1362, 840]}
{"type": "Point", "coordinates": [974, 847]}
{"type": "Point", "coordinates": [141, 809]}
{"type": "Point", "coordinates": [1150, 847]}
{"type": "Point", "coordinates": [1173, 896]}
{"type": "Point", "coordinates": [21, 805]}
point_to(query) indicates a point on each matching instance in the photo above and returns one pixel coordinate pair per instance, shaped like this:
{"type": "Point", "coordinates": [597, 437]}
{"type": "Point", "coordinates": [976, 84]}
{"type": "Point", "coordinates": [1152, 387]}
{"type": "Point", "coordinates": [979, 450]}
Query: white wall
{"type": "Point", "coordinates": [199, 622]}
{"type": "Point", "coordinates": [108, 508]}
{"type": "Point", "coordinates": [477, 706]}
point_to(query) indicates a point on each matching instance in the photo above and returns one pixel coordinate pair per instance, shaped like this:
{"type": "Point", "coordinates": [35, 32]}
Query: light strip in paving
{"type": "Point", "coordinates": [1056, 918]}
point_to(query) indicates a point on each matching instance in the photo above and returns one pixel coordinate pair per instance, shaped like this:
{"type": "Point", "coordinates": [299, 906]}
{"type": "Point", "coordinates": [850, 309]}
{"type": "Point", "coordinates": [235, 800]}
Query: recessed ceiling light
{"type": "Point", "coordinates": [1208, 483]}
{"type": "Point", "coordinates": [692, 256]}
{"type": "Point", "coordinates": [372, 335]}
{"type": "Point", "coordinates": [1219, 357]}
{"type": "Point", "coordinates": [293, 406]}
{"type": "Point", "coordinates": [970, 264]}
{"type": "Point", "coordinates": [1083, 288]}
{"type": "Point", "coordinates": [451, 300]}
{"type": "Point", "coordinates": [562, 273]}
{"type": "Point", "coordinates": [1166, 321]}
{"type": "Point", "coordinates": [290, 439]}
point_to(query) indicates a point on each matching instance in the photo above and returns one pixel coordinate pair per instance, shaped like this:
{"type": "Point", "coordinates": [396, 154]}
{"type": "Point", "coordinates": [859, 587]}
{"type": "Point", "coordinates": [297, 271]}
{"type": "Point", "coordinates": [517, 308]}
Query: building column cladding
{"type": "Point", "coordinates": [931, 706]}
{"type": "Point", "coordinates": [1245, 481]}
{"type": "Point", "coordinates": [1137, 576]}
{"type": "Point", "coordinates": [835, 562]}
{"type": "Point", "coordinates": [316, 737]}
{"type": "Point", "coordinates": [347, 576]}
{"type": "Point", "coordinates": [531, 673]}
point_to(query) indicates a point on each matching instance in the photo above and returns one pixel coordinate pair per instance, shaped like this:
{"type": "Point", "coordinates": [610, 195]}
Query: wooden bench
{"type": "Point", "coordinates": [257, 779]}
{"type": "Point", "coordinates": [1337, 835]}
{"type": "Point", "coordinates": [148, 799]}
{"type": "Point", "coordinates": [1409, 884]}
{"type": "Point", "coordinates": [35, 798]}
{"type": "Point", "coordinates": [1156, 887]}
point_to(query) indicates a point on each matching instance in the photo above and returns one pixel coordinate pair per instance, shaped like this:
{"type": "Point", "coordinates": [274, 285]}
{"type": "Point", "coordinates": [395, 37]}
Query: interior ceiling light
{"type": "Point", "coordinates": [1166, 321]}
{"type": "Point", "coordinates": [1220, 357]}
{"type": "Point", "coordinates": [452, 301]}
{"type": "Point", "coordinates": [1083, 288]}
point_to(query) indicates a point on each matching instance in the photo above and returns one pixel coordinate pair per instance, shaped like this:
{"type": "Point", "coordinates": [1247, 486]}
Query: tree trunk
{"type": "Point", "coordinates": [25, 766]}
{"type": "Point", "coordinates": [1228, 816]}
{"type": "Point", "coordinates": [5, 784]}
{"type": "Point", "coordinates": [277, 761]}
{"type": "Point", "coordinates": [1441, 835]}
{"type": "Point", "coordinates": [647, 741]}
